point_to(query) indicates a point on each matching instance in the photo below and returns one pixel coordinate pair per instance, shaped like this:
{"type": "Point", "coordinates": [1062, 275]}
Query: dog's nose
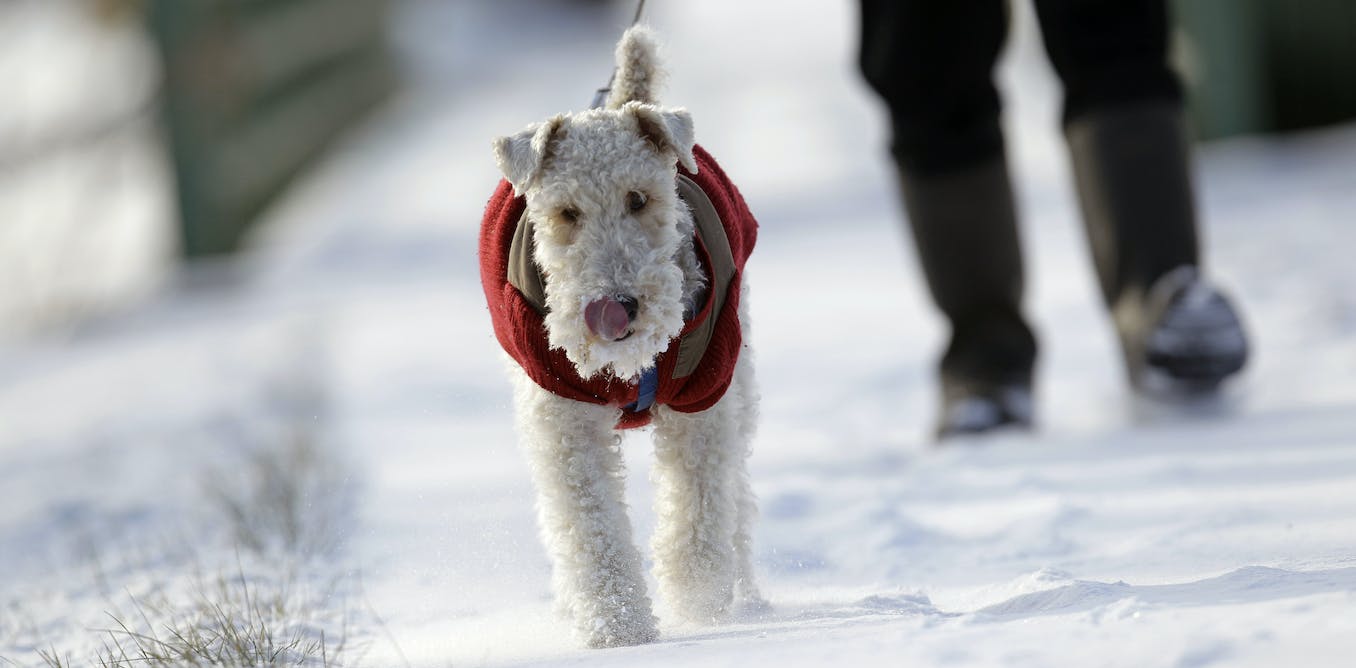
{"type": "Point", "coordinates": [629, 303]}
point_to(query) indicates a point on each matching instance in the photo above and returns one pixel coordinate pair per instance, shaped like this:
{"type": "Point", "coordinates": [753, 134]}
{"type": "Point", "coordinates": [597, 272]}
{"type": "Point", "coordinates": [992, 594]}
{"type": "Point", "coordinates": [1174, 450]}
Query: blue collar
{"type": "Point", "coordinates": [649, 386]}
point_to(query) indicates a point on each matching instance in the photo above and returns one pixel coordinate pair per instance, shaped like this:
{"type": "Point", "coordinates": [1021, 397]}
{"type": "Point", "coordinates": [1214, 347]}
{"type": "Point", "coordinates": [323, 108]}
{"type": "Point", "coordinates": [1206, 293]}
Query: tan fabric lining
{"type": "Point", "coordinates": [712, 233]}
{"type": "Point", "coordinates": [523, 273]}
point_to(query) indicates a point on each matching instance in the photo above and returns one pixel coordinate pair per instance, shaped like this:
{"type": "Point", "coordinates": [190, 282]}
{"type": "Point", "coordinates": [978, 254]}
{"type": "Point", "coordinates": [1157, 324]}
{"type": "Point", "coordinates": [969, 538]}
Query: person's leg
{"type": "Point", "coordinates": [1127, 141]}
{"type": "Point", "coordinates": [932, 64]}
{"type": "Point", "coordinates": [1130, 152]}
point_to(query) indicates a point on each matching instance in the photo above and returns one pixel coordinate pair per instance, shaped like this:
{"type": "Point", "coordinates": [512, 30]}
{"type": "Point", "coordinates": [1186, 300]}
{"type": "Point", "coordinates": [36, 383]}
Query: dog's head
{"type": "Point", "coordinates": [608, 228]}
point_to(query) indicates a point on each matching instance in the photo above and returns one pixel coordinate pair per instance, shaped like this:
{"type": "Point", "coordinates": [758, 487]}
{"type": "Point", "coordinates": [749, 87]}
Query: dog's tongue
{"type": "Point", "coordinates": [606, 318]}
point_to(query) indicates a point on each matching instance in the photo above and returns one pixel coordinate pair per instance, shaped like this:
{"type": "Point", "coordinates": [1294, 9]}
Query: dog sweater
{"type": "Point", "coordinates": [695, 370]}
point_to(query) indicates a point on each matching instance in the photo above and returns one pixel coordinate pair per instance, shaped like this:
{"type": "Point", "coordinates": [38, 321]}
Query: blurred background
{"type": "Point", "coordinates": [141, 136]}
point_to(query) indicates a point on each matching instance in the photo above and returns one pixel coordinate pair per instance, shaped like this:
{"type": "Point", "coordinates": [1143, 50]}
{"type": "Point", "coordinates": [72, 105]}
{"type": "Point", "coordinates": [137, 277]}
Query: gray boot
{"type": "Point", "coordinates": [1184, 336]}
{"type": "Point", "coordinates": [1131, 170]}
{"type": "Point", "coordinates": [965, 230]}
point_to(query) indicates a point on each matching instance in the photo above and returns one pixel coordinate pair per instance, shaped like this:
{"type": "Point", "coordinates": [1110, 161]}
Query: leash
{"type": "Point", "coordinates": [600, 96]}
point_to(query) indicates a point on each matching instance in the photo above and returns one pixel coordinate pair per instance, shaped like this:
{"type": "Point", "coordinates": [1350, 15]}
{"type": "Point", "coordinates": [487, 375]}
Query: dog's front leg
{"type": "Point", "coordinates": [700, 489]}
{"type": "Point", "coordinates": [575, 457]}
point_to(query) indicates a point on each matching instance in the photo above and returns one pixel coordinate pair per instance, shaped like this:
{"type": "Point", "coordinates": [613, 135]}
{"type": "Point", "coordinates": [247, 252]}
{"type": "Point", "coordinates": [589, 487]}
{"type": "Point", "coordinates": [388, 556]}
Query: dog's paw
{"type": "Point", "coordinates": [626, 626]}
{"type": "Point", "coordinates": [703, 602]}
{"type": "Point", "coordinates": [750, 607]}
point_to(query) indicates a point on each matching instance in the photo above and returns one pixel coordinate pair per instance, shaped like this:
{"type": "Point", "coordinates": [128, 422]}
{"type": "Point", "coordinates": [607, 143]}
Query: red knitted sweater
{"type": "Point", "coordinates": [521, 332]}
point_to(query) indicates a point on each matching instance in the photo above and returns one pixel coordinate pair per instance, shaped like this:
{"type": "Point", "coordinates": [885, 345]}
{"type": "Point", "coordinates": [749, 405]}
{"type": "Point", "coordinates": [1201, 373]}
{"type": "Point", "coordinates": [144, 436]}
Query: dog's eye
{"type": "Point", "coordinates": [569, 214]}
{"type": "Point", "coordinates": [635, 201]}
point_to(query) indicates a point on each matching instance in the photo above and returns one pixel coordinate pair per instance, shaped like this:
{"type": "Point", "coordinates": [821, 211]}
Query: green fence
{"type": "Point", "coordinates": [1268, 65]}
{"type": "Point", "coordinates": [254, 92]}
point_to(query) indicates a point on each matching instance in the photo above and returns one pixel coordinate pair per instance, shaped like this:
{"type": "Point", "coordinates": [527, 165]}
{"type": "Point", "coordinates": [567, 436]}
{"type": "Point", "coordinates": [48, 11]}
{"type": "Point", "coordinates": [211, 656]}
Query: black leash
{"type": "Point", "coordinates": [600, 96]}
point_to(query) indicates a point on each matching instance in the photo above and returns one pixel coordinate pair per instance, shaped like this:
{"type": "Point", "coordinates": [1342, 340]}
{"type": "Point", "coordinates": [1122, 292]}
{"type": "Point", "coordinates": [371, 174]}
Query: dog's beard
{"type": "Point", "coordinates": [659, 291]}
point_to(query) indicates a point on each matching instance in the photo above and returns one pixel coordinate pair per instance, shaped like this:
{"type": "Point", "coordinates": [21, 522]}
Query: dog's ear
{"type": "Point", "coordinates": [520, 156]}
{"type": "Point", "coordinates": [668, 129]}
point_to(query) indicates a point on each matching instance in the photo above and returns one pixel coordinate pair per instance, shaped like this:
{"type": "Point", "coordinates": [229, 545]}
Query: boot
{"type": "Point", "coordinates": [1183, 337]}
{"type": "Point", "coordinates": [1130, 166]}
{"type": "Point", "coordinates": [964, 227]}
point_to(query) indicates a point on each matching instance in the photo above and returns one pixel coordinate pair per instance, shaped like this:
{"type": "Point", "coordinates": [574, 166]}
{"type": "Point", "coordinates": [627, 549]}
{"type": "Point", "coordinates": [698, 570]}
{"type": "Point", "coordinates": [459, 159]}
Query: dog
{"type": "Point", "coordinates": [612, 258]}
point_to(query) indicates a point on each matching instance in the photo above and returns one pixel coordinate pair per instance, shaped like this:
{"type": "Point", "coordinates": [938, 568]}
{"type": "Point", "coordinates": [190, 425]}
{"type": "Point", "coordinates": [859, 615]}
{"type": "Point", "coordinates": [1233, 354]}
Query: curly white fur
{"type": "Point", "coordinates": [639, 76]}
{"type": "Point", "coordinates": [578, 173]}
{"type": "Point", "coordinates": [704, 505]}
{"type": "Point", "coordinates": [703, 541]}
{"type": "Point", "coordinates": [576, 464]}
{"type": "Point", "coordinates": [582, 175]}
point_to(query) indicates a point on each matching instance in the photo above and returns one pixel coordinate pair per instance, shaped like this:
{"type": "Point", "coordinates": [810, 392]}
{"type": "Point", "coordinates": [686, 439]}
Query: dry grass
{"type": "Point", "coordinates": [50, 657]}
{"type": "Point", "coordinates": [284, 501]}
{"type": "Point", "coordinates": [292, 499]}
{"type": "Point", "coordinates": [285, 504]}
{"type": "Point", "coordinates": [229, 621]}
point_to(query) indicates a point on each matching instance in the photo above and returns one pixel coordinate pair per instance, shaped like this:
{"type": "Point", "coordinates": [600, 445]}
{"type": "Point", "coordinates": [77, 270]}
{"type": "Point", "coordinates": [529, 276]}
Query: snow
{"type": "Point", "coordinates": [1120, 533]}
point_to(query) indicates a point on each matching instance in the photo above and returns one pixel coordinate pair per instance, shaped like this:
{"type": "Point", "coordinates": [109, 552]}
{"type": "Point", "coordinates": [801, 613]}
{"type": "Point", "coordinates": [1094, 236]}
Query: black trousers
{"type": "Point", "coordinates": [932, 62]}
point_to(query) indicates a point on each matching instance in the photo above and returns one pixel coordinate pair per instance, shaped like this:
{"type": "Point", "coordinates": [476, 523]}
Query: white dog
{"type": "Point", "coordinates": [614, 282]}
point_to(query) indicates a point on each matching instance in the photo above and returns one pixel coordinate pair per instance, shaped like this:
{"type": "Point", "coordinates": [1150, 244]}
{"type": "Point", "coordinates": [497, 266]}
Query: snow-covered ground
{"type": "Point", "coordinates": [1119, 533]}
